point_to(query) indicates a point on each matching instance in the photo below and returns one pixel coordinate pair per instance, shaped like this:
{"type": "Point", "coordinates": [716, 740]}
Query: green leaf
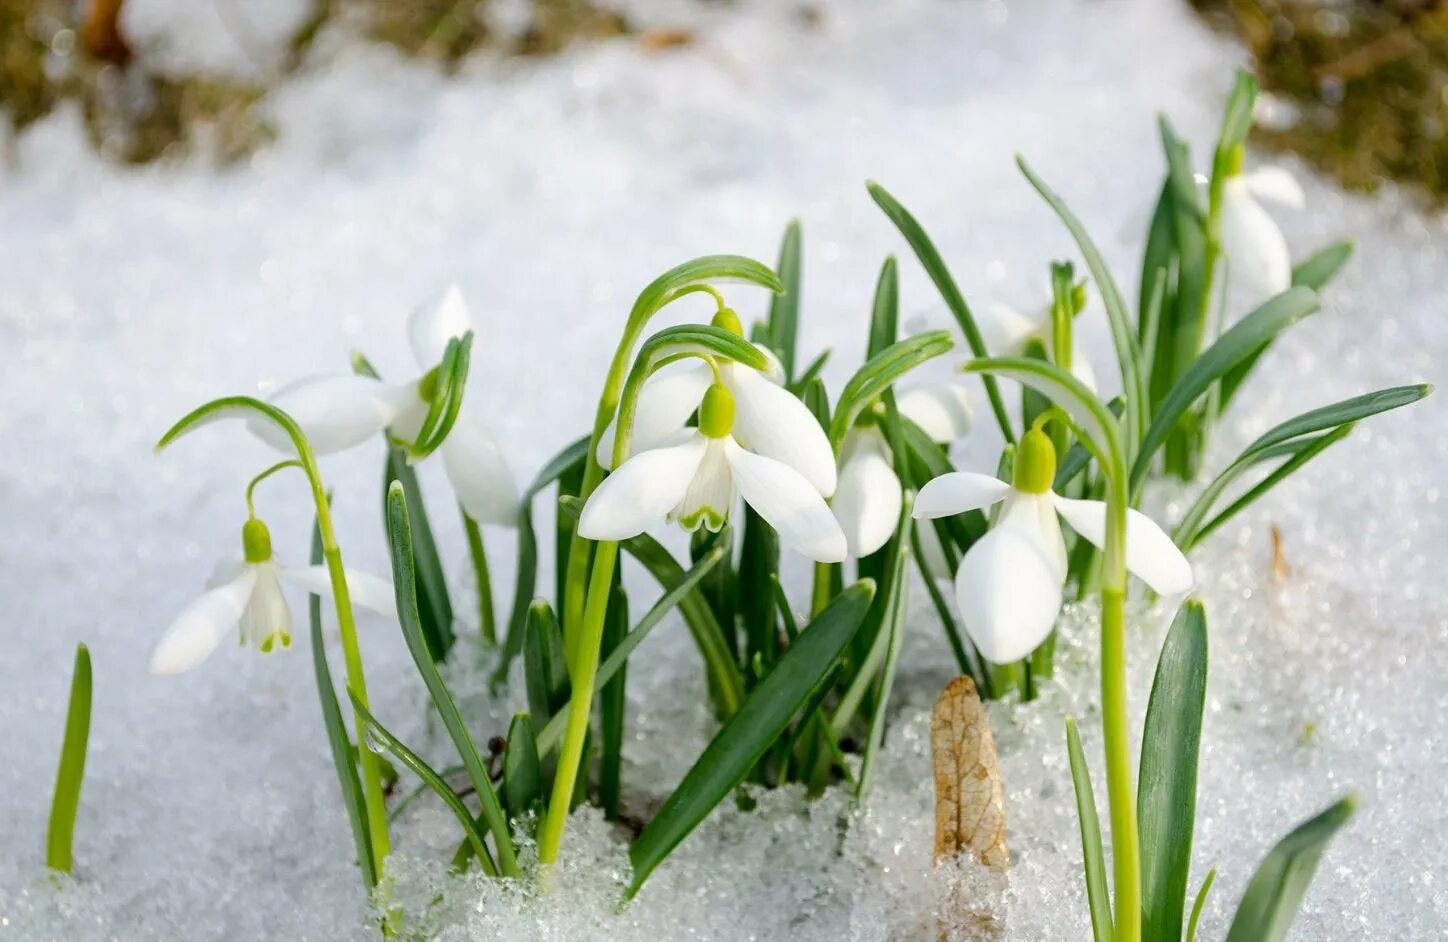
{"type": "Point", "coordinates": [399, 533]}
{"type": "Point", "coordinates": [893, 629]}
{"type": "Point", "coordinates": [695, 275]}
{"type": "Point", "coordinates": [71, 773]}
{"type": "Point", "coordinates": [1297, 440]}
{"type": "Point", "coordinates": [342, 750]}
{"type": "Point", "coordinates": [380, 735]}
{"type": "Point", "coordinates": [1167, 801]}
{"type": "Point", "coordinates": [1200, 904]}
{"type": "Point", "coordinates": [434, 604]}
{"type": "Point", "coordinates": [1238, 342]}
{"type": "Point", "coordinates": [612, 701]}
{"type": "Point", "coordinates": [1276, 889]}
{"type": "Point", "coordinates": [525, 584]}
{"type": "Point", "coordinates": [811, 372]}
{"type": "Point", "coordinates": [784, 305]}
{"type": "Point", "coordinates": [1156, 263]}
{"type": "Point", "coordinates": [879, 373]}
{"type": "Point", "coordinates": [753, 593]}
{"type": "Point", "coordinates": [1097, 893]}
{"type": "Point", "coordinates": [449, 384]}
{"type": "Point", "coordinates": [552, 733]}
{"type": "Point", "coordinates": [522, 770]}
{"type": "Point", "coordinates": [1123, 336]}
{"type": "Point", "coordinates": [1322, 266]}
{"type": "Point", "coordinates": [1238, 118]}
{"type": "Point", "coordinates": [747, 735]}
{"type": "Point", "coordinates": [545, 671]}
{"type": "Point", "coordinates": [885, 313]}
{"type": "Point", "coordinates": [934, 265]}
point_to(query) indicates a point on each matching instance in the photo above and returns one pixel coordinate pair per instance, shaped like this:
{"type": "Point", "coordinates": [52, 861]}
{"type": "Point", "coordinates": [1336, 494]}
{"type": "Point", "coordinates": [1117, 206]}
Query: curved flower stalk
{"type": "Point", "coordinates": [1009, 583]}
{"type": "Point", "coordinates": [339, 411]}
{"type": "Point", "coordinates": [697, 479]}
{"type": "Point", "coordinates": [247, 594]}
{"type": "Point", "coordinates": [1259, 265]}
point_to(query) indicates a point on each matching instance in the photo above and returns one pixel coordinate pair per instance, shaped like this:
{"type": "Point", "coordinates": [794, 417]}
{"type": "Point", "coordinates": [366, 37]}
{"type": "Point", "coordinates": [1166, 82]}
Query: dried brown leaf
{"type": "Point", "coordinates": [970, 803]}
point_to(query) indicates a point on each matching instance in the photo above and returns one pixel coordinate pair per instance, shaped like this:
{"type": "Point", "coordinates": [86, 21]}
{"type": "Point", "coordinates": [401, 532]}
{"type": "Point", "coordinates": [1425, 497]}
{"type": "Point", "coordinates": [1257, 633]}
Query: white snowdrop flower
{"type": "Point", "coordinates": [247, 594]}
{"type": "Point", "coordinates": [697, 477]}
{"type": "Point", "coordinates": [1009, 583]}
{"type": "Point", "coordinates": [768, 419]}
{"type": "Point", "coordinates": [941, 409]}
{"type": "Point", "coordinates": [339, 411]}
{"type": "Point", "coordinates": [868, 499]}
{"type": "Point", "coordinates": [1259, 266]}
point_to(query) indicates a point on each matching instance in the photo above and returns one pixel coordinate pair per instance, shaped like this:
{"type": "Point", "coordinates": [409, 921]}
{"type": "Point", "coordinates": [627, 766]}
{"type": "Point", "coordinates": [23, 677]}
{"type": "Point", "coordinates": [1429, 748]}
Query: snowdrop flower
{"type": "Point", "coordinates": [340, 411]}
{"type": "Point", "coordinates": [1007, 331]}
{"type": "Point", "coordinates": [696, 477]}
{"type": "Point", "coordinates": [768, 419]}
{"type": "Point", "coordinates": [868, 500]}
{"type": "Point", "coordinates": [1259, 266]}
{"type": "Point", "coordinates": [941, 409]}
{"type": "Point", "coordinates": [248, 594]}
{"type": "Point", "coordinates": [1009, 583]}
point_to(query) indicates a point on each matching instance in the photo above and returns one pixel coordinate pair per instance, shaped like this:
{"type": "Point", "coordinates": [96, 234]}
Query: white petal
{"type": "Point", "coordinates": [1276, 185]}
{"type": "Point", "coordinates": [642, 491]}
{"type": "Point", "coordinates": [769, 421]}
{"type": "Point", "coordinates": [867, 502]}
{"type": "Point", "coordinates": [957, 492]}
{"type": "Point", "coordinates": [1009, 594]}
{"type": "Point", "coordinates": [773, 369]}
{"type": "Point", "coordinates": [1005, 330]}
{"type": "Point", "coordinates": [479, 473]}
{"type": "Point", "coordinates": [197, 630]}
{"type": "Point", "coordinates": [369, 591]}
{"type": "Point", "coordinates": [1034, 517]}
{"type": "Point", "coordinates": [1258, 263]}
{"type": "Point", "coordinates": [710, 497]}
{"type": "Point", "coordinates": [267, 619]}
{"type": "Point", "coordinates": [1150, 553]}
{"type": "Point", "coordinates": [788, 502]}
{"type": "Point", "coordinates": [335, 411]}
{"type": "Point", "coordinates": [435, 323]}
{"type": "Point", "coordinates": [942, 410]}
{"type": "Point", "coordinates": [664, 405]}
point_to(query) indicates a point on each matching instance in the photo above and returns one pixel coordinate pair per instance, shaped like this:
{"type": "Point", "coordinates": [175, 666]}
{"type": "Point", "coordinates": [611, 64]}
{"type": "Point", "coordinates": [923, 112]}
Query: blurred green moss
{"type": "Point", "coordinates": [1367, 81]}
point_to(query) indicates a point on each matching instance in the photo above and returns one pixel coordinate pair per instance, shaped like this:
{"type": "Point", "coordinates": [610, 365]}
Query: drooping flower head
{"type": "Point", "coordinates": [1009, 584]}
{"type": "Point", "coordinates": [696, 477]}
{"type": "Point", "coordinates": [246, 594]}
{"type": "Point", "coordinates": [1259, 265]}
{"type": "Point", "coordinates": [339, 411]}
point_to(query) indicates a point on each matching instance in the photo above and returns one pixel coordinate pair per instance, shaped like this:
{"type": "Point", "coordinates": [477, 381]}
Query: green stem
{"type": "Point", "coordinates": [584, 674]}
{"type": "Point", "coordinates": [1125, 841]}
{"type": "Point", "coordinates": [824, 578]}
{"type": "Point", "coordinates": [487, 621]}
{"type": "Point", "coordinates": [71, 771]}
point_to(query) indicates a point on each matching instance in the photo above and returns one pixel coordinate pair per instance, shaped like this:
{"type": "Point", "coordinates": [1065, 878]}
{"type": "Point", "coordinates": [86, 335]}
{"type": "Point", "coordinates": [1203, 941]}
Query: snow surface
{"type": "Point", "coordinates": [553, 190]}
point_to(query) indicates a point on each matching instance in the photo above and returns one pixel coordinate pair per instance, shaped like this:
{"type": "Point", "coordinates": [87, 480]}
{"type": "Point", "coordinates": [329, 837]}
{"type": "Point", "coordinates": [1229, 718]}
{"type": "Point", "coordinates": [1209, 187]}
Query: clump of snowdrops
{"type": "Point", "coordinates": [729, 433]}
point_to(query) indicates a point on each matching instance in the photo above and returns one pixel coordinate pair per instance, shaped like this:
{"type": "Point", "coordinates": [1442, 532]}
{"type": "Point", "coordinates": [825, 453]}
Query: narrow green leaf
{"type": "Point", "coordinates": [747, 735]}
{"type": "Point", "coordinates": [1322, 266]}
{"type": "Point", "coordinates": [1094, 859]}
{"type": "Point", "coordinates": [434, 604]}
{"type": "Point", "coordinates": [935, 267]}
{"type": "Point", "coordinates": [399, 534]}
{"type": "Point", "coordinates": [753, 594]}
{"type": "Point", "coordinates": [1200, 904]}
{"type": "Point", "coordinates": [380, 735]}
{"type": "Point", "coordinates": [1122, 334]}
{"type": "Point", "coordinates": [545, 670]}
{"type": "Point", "coordinates": [893, 628]}
{"type": "Point", "coordinates": [1340, 413]}
{"type": "Point", "coordinates": [1167, 801]}
{"type": "Point", "coordinates": [522, 770]}
{"type": "Point", "coordinates": [353, 798]}
{"type": "Point", "coordinates": [1237, 343]}
{"type": "Point", "coordinates": [1156, 263]}
{"type": "Point", "coordinates": [612, 700]}
{"type": "Point", "coordinates": [1277, 888]}
{"type": "Point", "coordinates": [784, 305]}
{"type": "Point", "coordinates": [1238, 118]}
{"type": "Point", "coordinates": [810, 373]}
{"type": "Point", "coordinates": [446, 403]}
{"type": "Point", "coordinates": [885, 312]}
{"type": "Point", "coordinates": [693, 276]}
{"type": "Point", "coordinates": [71, 772]}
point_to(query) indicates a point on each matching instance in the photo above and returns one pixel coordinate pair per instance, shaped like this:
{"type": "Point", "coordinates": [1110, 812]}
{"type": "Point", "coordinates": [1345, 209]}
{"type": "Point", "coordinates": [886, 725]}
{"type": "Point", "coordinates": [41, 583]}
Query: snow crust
{"type": "Point", "coordinates": [552, 191]}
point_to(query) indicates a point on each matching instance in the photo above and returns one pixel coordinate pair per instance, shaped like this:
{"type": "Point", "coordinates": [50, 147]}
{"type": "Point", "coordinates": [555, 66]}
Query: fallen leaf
{"type": "Point", "coordinates": [1280, 569]}
{"type": "Point", "coordinates": [970, 803]}
{"type": "Point", "coordinates": [659, 40]}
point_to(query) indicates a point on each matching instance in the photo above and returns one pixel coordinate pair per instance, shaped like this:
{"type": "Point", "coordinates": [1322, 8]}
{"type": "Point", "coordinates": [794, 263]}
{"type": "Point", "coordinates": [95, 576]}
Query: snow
{"type": "Point", "coordinates": [552, 191]}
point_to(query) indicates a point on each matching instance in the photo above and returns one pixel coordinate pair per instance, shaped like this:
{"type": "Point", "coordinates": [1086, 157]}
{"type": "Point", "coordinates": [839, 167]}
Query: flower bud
{"type": "Point", "coordinates": [726, 319]}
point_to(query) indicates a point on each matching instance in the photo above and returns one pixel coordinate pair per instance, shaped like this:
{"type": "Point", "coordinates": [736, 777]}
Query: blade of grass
{"type": "Point", "coordinates": [1094, 860]}
{"type": "Point", "coordinates": [71, 773]}
{"type": "Point", "coordinates": [1276, 890]}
